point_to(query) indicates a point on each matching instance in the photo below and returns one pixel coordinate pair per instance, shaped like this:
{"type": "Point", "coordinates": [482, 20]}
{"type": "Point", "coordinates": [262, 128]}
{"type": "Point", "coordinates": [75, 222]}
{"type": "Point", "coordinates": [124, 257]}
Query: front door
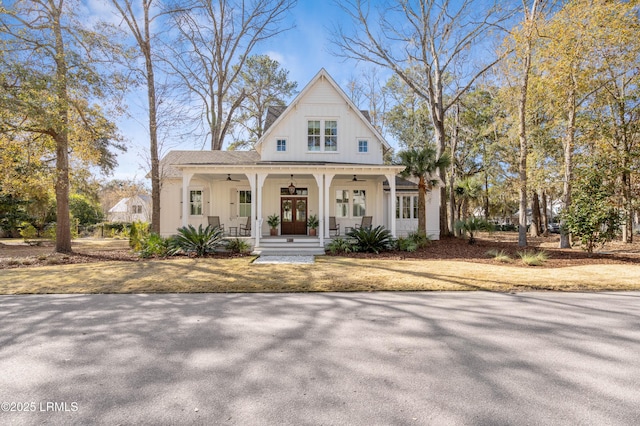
{"type": "Point", "coordinates": [293, 214]}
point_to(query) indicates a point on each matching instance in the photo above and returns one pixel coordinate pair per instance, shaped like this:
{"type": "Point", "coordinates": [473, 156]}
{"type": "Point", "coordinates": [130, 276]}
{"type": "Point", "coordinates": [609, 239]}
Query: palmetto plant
{"type": "Point", "coordinates": [198, 241]}
{"type": "Point", "coordinates": [371, 240]}
{"type": "Point", "coordinates": [473, 225]}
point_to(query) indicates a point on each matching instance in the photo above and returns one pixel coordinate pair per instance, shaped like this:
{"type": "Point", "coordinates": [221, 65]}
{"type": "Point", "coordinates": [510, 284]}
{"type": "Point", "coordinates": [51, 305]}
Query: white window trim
{"type": "Point", "coordinates": [322, 135]}
{"type": "Point", "coordinates": [196, 188]}
{"type": "Point", "coordinates": [286, 145]}
{"type": "Point", "coordinates": [368, 151]}
{"type": "Point", "coordinates": [350, 201]}
{"type": "Point", "coordinates": [238, 200]}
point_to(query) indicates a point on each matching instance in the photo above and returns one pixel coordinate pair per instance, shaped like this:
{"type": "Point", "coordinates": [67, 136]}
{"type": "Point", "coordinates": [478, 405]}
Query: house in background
{"type": "Point", "coordinates": [318, 156]}
{"type": "Point", "coordinates": [131, 209]}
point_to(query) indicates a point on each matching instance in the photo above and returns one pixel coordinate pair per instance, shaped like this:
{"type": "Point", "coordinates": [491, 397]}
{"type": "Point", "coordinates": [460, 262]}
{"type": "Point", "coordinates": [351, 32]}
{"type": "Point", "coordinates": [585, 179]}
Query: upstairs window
{"type": "Point", "coordinates": [322, 135]}
{"type": "Point", "coordinates": [313, 135]}
{"type": "Point", "coordinates": [363, 146]}
{"type": "Point", "coordinates": [330, 135]}
{"type": "Point", "coordinates": [136, 209]}
{"type": "Point", "coordinates": [281, 145]}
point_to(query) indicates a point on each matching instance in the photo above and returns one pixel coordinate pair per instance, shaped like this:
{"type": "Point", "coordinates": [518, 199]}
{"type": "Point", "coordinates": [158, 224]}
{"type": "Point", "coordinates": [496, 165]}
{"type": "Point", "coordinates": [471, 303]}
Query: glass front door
{"type": "Point", "coordinates": [293, 215]}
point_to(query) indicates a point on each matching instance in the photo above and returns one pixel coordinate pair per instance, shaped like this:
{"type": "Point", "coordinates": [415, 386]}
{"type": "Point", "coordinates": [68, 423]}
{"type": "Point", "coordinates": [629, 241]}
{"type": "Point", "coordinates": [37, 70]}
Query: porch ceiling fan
{"type": "Point", "coordinates": [355, 179]}
{"type": "Point", "coordinates": [228, 179]}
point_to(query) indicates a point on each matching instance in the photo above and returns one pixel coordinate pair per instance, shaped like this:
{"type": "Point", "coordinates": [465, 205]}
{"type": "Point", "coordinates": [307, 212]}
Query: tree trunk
{"type": "Point", "coordinates": [545, 214]}
{"type": "Point", "coordinates": [627, 200]}
{"type": "Point", "coordinates": [452, 197]}
{"type": "Point", "coordinates": [565, 241]}
{"type": "Point", "coordinates": [422, 205]}
{"type": "Point", "coordinates": [534, 231]}
{"type": "Point", "coordinates": [153, 126]}
{"type": "Point", "coordinates": [63, 222]}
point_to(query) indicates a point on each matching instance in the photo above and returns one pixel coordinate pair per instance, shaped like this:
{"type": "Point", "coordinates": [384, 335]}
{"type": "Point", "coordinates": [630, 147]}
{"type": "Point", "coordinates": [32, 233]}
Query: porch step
{"type": "Point", "coordinates": [289, 245]}
{"type": "Point", "coordinates": [288, 251]}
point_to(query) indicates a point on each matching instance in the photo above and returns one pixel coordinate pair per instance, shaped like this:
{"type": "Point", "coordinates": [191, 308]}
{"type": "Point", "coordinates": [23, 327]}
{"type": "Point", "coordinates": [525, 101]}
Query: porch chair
{"type": "Point", "coordinates": [245, 230]}
{"type": "Point", "coordinates": [215, 222]}
{"type": "Point", "coordinates": [366, 222]}
{"type": "Point", "coordinates": [333, 225]}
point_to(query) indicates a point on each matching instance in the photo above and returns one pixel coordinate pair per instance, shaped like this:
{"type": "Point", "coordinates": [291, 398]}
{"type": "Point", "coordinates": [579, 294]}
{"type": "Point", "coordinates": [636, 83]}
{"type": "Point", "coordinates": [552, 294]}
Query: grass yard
{"type": "Point", "coordinates": [327, 274]}
{"type": "Point", "coordinates": [108, 266]}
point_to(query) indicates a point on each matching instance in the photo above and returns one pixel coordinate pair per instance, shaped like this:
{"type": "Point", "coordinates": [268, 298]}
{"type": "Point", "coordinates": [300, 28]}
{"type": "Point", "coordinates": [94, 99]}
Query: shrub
{"type": "Point", "coordinates": [499, 256]}
{"type": "Point", "coordinates": [238, 246]}
{"type": "Point", "coordinates": [532, 258]}
{"type": "Point", "coordinates": [593, 216]}
{"type": "Point", "coordinates": [406, 244]}
{"type": "Point", "coordinates": [139, 231]}
{"type": "Point", "coordinates": [198, 241]}
{"type": "Point", "coordinates": [154, 245]}
{"type": "Point", "coordinates": [473, 225]}
{"type": "Point", "coordinates": [422, 240]}
{"type": "Point", "coordinates": [340, 245]}
{"type": "Point", "coordinates": [27, 231]}
{"type": "Point", "coordinates": [372, 240]}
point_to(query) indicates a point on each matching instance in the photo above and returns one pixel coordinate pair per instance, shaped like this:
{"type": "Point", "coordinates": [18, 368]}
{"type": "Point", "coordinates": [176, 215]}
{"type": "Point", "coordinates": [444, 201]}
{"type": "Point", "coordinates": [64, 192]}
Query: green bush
{"type": "Point", "coordinates": [238, 246]}
{"type": "Point", "coordinates": [406, 244]}
{"type": "Point", "coordinates": [473, 225]}
{"type": "Point", "coordinates": [27, 231]}
{"type": "Point", "coordinates": [422, 240]}
{"type": "Point", "coordinates": [593, 216]}
{"type": "Point", "coordinates": [372, 240]}
{"type": "Point", "coordinates": [139, 231]}
{"type": "Point", "coordinates": [198, 241]}
{"type": "Point", "coordinates": [340, 245]}
{"type": "Point", "coordinates": [153, 245]}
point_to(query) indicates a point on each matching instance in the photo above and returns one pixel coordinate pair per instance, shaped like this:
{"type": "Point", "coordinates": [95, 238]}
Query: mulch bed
{"type": "Point", "coordinates": [449, 248]}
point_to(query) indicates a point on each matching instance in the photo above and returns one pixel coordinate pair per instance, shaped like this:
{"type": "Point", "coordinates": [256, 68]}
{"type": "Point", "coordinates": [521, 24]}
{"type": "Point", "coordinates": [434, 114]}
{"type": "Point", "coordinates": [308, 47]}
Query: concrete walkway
{"type": "Point", "coordinates": [306, 359]}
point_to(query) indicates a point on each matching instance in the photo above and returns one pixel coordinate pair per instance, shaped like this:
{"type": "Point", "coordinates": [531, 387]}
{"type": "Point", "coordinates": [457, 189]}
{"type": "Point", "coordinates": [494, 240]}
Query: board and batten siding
{"type": "Point", "coordinates": [322, 102]}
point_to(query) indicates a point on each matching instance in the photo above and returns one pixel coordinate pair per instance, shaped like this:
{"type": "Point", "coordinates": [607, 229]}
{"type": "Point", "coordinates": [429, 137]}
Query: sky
{"type": "Point", "coordinates": [303, 51]}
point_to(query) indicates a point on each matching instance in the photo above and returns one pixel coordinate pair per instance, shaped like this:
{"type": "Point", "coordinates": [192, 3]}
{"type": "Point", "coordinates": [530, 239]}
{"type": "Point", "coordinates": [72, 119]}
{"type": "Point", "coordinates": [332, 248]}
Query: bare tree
{"type": "Point", "coordinates": [433, 39]}
{"type": "Point", "coordinates": [139, 15]}
{"type": "Point", "coordinates": [524, 56]}
{"type": "Point", "coordinates": [215, 40]}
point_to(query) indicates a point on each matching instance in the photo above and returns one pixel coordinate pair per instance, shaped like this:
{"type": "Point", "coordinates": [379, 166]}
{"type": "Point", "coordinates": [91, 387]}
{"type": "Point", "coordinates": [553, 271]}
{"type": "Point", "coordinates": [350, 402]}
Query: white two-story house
{"type": "Point", "coordinates": [318, 156]}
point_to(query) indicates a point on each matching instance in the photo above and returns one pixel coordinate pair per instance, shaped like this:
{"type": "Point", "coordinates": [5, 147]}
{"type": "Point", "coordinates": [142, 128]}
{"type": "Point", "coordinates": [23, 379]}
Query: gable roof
{"type": "Point", "coordinates": [204, 157]}
{"type": "Point", "coordinates": [322, 74]}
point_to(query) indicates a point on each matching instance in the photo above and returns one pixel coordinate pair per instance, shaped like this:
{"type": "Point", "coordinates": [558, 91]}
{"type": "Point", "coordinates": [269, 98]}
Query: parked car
{"type": "Point", "coordinates": [554, 228]}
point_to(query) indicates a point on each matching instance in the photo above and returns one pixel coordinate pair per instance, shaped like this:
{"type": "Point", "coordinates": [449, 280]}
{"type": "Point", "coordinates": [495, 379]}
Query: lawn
{"type": "Point", "coordinates": [108, 266]}
{"type": "Point", "coordinates": [327, 274]}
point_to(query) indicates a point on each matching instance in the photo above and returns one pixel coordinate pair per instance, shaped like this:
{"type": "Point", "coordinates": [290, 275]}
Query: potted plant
{"type": "Point", "coordinates": [313, 224]}
{"type": "Point", "coordinates": [273, 221]}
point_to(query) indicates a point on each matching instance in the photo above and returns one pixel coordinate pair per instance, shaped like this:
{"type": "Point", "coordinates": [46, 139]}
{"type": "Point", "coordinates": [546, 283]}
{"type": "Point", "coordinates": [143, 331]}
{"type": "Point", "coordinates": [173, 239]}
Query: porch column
{"type": "Point", "coordinates": [252, 185]}
{"type": "Point", "coordinates": [391, 178]}
{"type": "Point", "coordinates": [328, 178]}
{"type": "Point", "coordinates": [256, 228]}
{"type": "Point", "coordinates": [320, 183]}
{"type": "Point", "coordinates": [186, 179]}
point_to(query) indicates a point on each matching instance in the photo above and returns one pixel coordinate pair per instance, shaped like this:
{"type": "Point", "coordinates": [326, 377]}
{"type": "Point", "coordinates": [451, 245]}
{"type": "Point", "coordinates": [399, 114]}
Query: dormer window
{"type": "Point", "coordinates": [322, 130]}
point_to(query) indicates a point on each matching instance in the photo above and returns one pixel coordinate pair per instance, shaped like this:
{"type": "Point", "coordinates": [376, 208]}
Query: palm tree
{"type": "Point", "coordinates": [422, 163]}
{"type": "Point", "coordinates": [467, 189]}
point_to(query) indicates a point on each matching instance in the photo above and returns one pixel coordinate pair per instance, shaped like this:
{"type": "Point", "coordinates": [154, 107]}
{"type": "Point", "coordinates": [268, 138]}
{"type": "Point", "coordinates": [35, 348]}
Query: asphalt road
{"type": "Point", "coordinates": [296, 359]}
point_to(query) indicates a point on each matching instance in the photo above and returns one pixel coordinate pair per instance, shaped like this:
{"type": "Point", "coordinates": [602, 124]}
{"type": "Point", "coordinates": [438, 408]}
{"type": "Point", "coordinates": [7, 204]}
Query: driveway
{"type": "Point", "coordinates": [296, 359]}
